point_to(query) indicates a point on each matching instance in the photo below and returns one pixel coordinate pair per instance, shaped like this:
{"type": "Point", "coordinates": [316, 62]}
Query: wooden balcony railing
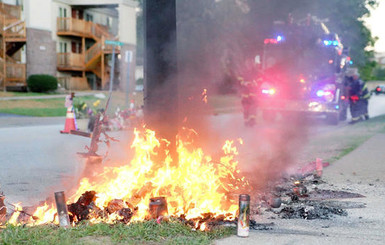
{"type": "Point", "coordinates": [82, 27]}
{"type": "Point", "coordinates": [13, 10]}
{"type": "Point", "coordinates": [74, 83]}
{"type": "Point", "coordinates": [13, 28]}
{"type": "Point", "coordinates": [100, 31]}
{"type": "Point", "coordinates": [93, 51]}
{"type": "Point", "coordinates": [75, 26]}
{"type": "Point", "coordinates": [15, 72]}
{"type": "Point", "coordinates": [70, 61]}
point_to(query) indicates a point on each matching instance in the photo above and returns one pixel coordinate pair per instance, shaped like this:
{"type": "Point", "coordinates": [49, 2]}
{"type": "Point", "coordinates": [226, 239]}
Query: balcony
{"type": "Point", "coordinates": [13, 29]}
{"type": "Point", "coordinates": [70, 62]}
{"type": "Point", "coordinates": [81, 28]}
{"type": "Point", "coordinates": [74, 83]}
{"type": "Point", "coordinates": [12, 10]}
{"type": "Point", "coordinates": [15, 73]}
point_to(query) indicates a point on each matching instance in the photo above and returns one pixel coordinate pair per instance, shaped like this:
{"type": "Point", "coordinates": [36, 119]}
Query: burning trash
{"type": "Point", "coordinates": [155, 186]}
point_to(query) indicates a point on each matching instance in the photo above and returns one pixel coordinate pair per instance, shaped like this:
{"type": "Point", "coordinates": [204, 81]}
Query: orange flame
{"type": "Point", "coordinates": [194, 185]}
{"type": "Point", "coordinates": [14, 218]}
{"type": "Point", "coordinates": [204, 95]}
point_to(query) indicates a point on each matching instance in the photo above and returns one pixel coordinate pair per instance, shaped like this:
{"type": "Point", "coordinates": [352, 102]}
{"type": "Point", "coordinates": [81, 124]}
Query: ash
{"type": "Point", "coordinates": [310, 210]}
{"type": "Point", "coordinates": [299, 197]}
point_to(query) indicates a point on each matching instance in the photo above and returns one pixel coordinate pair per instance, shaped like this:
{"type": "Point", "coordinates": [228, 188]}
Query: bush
{"type": "Point", "coordinates": [41, 83]}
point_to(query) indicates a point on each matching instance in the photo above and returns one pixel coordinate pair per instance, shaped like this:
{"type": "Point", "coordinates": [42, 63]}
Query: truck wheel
{"type": "Point", "coordinates": [332, 118]}
{"type": "Point", "coordinates": [343, 114]}
{"type": "Point", "coordinates": [268, 116]}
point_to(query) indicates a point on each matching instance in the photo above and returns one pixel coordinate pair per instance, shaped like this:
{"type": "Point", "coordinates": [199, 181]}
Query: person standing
{"type": "Point", "coordinates": [248, 89]}
{"type": "Point", "coordinates": [359, 97]}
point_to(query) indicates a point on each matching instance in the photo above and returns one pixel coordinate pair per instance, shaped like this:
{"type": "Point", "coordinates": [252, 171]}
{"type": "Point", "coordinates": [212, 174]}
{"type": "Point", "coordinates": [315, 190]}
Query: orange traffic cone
{"type": "Point", "coordinates": [70, 123]}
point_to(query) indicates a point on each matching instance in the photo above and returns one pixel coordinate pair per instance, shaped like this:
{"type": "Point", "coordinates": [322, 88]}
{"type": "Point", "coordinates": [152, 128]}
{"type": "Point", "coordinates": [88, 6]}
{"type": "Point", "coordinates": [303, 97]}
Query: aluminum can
{"type": "Point", "coordinates": [158, 207]}
{"type": "Point", "coordinates": [62, 211]}
{"type": "Point", "coordinates": [243, 226]}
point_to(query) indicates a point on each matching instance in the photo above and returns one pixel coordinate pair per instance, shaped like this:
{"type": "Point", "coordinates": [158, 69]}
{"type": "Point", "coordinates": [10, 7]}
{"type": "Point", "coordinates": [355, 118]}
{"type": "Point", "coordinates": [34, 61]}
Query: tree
{"type": "Point", "coordinates": [212, 33]}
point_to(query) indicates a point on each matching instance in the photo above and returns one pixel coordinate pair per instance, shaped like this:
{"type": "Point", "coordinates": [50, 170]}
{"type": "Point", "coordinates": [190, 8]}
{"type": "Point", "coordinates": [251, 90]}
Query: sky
{"type": "Point", "coordinates": [376, 22]}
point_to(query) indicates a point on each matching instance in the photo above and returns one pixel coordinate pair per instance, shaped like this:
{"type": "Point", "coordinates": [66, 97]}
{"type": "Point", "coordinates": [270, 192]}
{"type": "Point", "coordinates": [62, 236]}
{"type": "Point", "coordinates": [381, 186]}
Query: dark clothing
{"type": "Point", "coordinates": [249, 105]}
{"type": "Point", "coordinates": [359, 96]}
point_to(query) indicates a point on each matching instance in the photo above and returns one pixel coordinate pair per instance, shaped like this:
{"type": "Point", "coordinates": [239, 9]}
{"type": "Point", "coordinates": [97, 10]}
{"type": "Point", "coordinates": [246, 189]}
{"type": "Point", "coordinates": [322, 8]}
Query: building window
{"type": "Point", "coordinates": [63, 47]}
{"type": "Point", "coordinates": [109, 21]}
{"type": "Point", "coordinates": [62, 12]}
{"type": "Point", "coordinates": [89, 17]}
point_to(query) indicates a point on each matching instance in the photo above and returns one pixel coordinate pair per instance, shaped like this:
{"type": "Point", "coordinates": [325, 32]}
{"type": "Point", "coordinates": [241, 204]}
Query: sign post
{"type": "Point", "coordinates": [112, 71]}
{"type": "Point", "coordinates": [128, 59]}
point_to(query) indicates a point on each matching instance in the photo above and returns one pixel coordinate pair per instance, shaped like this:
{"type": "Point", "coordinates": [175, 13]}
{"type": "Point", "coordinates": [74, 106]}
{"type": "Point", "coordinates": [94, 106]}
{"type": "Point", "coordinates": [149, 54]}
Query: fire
{"type": "Point", "coordinates": [204, 95]}
{"type": "Point", "coordinates": [16, 214]}
{"type": "Point", "coordinates": [194, 185]}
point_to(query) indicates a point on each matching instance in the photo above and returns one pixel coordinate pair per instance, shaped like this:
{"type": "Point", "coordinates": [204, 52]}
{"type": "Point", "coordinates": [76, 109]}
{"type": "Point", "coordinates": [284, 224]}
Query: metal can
{"type": "Point", "coordinates": [62, 211]}
{"type": "Point", "coordinates": [244, 216]}
{"type": "Point", "coordinates": [158, 207]}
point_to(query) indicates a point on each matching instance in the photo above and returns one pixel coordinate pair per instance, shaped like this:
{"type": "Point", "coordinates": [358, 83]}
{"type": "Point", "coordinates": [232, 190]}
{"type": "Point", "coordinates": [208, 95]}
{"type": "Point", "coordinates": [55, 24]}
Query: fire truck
{"type": "Point", "coordinates": [303, 71]}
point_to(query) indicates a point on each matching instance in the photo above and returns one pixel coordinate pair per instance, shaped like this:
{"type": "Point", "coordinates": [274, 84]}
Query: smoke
{"type": "Point", "coordinates": [214, 39]}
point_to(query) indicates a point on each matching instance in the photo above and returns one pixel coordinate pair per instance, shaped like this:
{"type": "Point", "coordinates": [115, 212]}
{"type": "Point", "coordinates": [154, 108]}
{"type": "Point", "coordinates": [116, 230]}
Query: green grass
{"type": "Point", "coordinates": [22, 94]}
{"type": "Point", "coordinates": [36, 112]}
{"type": "Point", "coordinates": [334, 144]}
{"type": "Point", "coordinates": [149, 232]}
{"type": "Point", "coordinates": [55, 107]}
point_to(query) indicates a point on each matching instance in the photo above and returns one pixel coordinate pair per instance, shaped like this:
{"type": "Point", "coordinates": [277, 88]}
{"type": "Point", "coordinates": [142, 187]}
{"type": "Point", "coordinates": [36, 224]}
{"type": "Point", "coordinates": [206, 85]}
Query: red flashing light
{"type": "Point", "coordinates": [270, 40]}
{"type": "Point", "coordinates": [343, 97]}
{"type": "Point", "coordinates": [378, 89]}
{"type": "Point", "coordinates": [330, 61]}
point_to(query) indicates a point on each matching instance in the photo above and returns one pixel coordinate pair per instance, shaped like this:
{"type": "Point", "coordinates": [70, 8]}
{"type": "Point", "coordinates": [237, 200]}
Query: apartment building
{"type": "Point", "coordinates": [67, 39]}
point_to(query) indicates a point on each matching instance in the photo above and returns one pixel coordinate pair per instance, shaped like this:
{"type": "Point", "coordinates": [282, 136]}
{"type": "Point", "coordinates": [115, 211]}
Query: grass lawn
{"type": "Point", "coordinates": [15, 94]}
{"type": "Point", "coordinates": [55, 107]}
{"type": "Point", "coordinates": [149, 232]}
{"type": "Point", "coordinates": [334, 144]}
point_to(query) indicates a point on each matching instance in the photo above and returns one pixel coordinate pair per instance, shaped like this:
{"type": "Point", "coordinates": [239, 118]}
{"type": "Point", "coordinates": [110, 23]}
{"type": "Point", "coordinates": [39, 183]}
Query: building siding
{"type": "Point", "coordinates": [41, 52]}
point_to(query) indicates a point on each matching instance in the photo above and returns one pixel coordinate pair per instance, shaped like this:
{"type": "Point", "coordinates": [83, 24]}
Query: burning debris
{"type": "Point", "coordinates": [198, 190]}
{"type": "Point", "coordinates": [153, 186]}
{"type": "Point", "coordinates": [3, 208]}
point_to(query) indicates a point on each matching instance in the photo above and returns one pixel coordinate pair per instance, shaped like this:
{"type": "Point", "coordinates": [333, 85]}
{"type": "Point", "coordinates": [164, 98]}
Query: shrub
{"type": "Point", "coordinates": [41, 83]}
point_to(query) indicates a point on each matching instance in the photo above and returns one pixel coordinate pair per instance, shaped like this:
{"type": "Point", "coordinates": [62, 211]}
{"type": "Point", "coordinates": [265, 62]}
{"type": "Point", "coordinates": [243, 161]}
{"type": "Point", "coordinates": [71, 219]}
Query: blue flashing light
{"type": "Point", "coordinates": [280, 38]}
{"type": "Point", "coordinates": [337, 107]}
{"type": "Point", "coordinates": [320, 93]}
{"type": "Point", "coordinates": [330, 42]}
{"type": "Point", "coordinates": [351, 62]}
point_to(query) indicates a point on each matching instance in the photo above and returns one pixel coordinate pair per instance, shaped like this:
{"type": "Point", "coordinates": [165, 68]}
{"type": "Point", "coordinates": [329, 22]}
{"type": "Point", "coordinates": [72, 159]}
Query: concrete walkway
{"type": "Point", "coordinates": [362, 171]}
{"type": "Point", "coordinates": [54, 96]}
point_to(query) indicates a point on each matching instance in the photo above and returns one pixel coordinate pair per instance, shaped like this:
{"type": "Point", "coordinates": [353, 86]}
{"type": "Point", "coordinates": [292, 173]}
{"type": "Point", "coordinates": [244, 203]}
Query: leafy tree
{"type": "Point", "coordinates": [214, 34]}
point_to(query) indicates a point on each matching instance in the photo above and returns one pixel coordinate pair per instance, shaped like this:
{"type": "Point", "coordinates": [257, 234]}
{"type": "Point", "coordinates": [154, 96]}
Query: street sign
{"type": "Point", "coordinates": [111, 42]}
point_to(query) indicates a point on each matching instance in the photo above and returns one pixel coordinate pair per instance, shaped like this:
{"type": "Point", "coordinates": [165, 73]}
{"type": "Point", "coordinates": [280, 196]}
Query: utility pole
{"type": "Point", "coordinates": [160, 69]}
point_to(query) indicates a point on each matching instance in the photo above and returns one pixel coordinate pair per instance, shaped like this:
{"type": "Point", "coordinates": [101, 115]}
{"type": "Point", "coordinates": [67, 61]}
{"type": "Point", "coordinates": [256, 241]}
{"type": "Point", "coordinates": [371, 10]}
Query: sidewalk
{"type": "Point", "coordinates": [54, 96]}
{"type": "Point", "coordinates": [361, 171]}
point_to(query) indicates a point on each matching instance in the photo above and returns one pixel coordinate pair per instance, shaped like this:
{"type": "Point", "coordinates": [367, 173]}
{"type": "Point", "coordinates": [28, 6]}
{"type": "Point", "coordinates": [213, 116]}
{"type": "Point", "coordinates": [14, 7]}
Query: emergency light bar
{"type": "Point", "coordinates": [276, 40]}
{"type": "Point", "coordinates": [331, 43]}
